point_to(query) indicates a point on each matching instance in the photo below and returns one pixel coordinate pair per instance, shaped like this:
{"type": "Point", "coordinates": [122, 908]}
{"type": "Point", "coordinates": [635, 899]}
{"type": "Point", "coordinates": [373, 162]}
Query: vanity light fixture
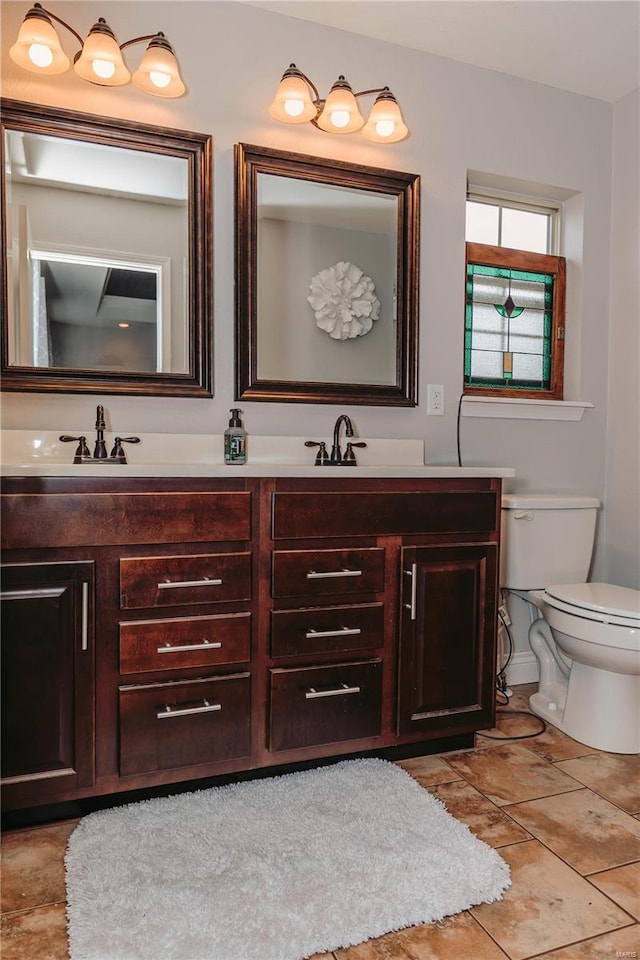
{"type": "Point", "coordinates": [99, 60]}
{"type": "Point", "coordinates": [339, 112]}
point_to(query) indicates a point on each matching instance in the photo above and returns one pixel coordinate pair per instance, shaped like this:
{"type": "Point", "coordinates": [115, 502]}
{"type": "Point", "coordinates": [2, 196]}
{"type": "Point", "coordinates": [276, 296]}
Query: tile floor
{"type": "Point", "coordinates": [565, 817]}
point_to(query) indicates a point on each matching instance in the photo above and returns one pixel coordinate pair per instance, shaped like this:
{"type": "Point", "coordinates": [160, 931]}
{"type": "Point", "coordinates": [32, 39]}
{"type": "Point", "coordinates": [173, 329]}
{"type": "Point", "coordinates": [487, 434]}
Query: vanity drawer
{"type": "Point", "coordinates": [172, 581]}
{"type": "Point", "coordinates": [315, 630]}
{"type": "Point", "coordinates": [87, 519]}
{"type": "Point", "coordinates": [316, 705]}
{"type": "Point", "coordinates": [311, 573]}
{"type": "Point", "coordinates": [147, 645]}
{"type": "Point", "coordinates": [379, 514]}
{"type": "Point", "coordinates": [168, 725]}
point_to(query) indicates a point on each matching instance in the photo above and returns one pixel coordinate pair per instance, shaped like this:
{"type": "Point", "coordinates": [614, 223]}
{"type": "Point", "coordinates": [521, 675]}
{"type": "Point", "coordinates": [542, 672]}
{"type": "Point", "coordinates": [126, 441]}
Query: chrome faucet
{"type": "Point", "coordinates": [82, 454]}
{"type": "Point", "coordinates": [337, 458]}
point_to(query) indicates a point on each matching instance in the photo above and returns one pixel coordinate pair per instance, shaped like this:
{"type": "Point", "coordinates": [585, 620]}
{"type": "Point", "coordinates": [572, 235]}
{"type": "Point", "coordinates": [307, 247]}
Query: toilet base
{"type": "Point", "coordinates": [595, 707]}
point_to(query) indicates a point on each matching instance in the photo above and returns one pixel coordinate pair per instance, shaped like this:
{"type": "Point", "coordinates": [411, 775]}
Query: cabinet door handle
{"type": "Point", "coordinates": [170, 712]}
{"type": "Point", "coordinates": [85, 616]}
{"type": "Point", "coordinates": [342, 632]}
{"type": "Point", "coordinates": [172, 584]}
{"type": "Point", "coordinates": [204, 645]}
{"type": "Point", "coordinates": [341, 691]}
{"type": "Point", "coordinates": [312, 575]}
{"type": "Point", "coordinates": [414, 589]}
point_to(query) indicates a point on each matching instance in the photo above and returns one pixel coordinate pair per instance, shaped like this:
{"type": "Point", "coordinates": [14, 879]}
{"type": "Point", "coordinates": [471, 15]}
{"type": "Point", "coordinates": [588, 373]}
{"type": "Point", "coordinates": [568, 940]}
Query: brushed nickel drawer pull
{"type": "Point", "coordinates": [170, 712]}
{"type": "Point", "coordinates": [85, 615]}
{"type": "Point", "coordinates": [312, 575]}
{"type": "Point", "coordinates": [341, 691]}
{"type": "Point", "coordinates": [205, 645]}
{"type": "Point", "coordinates": [413, 573]}
{"type": "Point", "coordinates": [342, 632]}
{"type": "Point", "coordinates": [172, 584]}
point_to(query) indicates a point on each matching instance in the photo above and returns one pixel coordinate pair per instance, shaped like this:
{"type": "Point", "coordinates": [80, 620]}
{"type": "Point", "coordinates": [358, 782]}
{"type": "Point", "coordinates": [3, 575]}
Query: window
{"type": "Point", "coordinates": [515, 300]}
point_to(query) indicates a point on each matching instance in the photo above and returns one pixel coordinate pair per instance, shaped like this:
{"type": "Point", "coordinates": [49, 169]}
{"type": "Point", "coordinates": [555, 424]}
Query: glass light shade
{"type": "Point", "coordinates": [385, 123]}
{"type": "Point", "coordinates": [292, 102]}
{"type": "Point", "coordinates": [38, 46]}
{"type": "Point", "coordinates": [340, 113]}
{"type": "Point", "coordinates": [158, 73]}
{"type": "Point", "coordinates": [101, 58]}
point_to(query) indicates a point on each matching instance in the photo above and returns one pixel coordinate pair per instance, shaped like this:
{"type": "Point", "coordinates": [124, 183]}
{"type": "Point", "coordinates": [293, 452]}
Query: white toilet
{"type": "Point", "coordinates": [587, 638]}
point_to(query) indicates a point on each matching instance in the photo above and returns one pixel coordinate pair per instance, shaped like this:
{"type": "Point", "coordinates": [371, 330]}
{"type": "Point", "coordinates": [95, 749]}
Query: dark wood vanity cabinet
{"type": "Point", "coordinates": [447, 619]}
{"type": "Point", "coordinates": [158, 631]}
{"type": "Point", "coordinates": [48, 680]}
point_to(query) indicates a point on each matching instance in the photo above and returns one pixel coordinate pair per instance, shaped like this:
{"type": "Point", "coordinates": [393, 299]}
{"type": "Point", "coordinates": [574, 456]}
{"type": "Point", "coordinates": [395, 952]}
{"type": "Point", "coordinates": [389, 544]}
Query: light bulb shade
{"type": "Point", "coordinates": [38, 46]}
{"type": "Point", "coordinates": [101, 58]}
{"type": "Point", "coordinates": [340, 113]}
{"type": "Point", "coordinates": [292, 102]}
{"type": "Point", "coordinates": [158, 73]}
{"type": "Point", "coordinates": [385, 123]}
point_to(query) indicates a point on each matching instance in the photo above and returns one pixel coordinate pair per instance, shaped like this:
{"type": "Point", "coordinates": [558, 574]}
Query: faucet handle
{"type": "Point", "coordinates": [349, 459]}
{"type": "Point", "coordinates": [82, 450]}
{"type": "Point", "coordinates": [118, 453]}
{"type": "Point", "coordinates": [322, 457]}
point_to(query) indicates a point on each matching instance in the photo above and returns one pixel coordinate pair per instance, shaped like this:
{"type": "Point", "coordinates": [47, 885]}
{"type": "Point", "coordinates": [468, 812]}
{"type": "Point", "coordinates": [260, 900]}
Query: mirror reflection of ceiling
{"type": "Point", "coordinates": [88, 294]}
{"type": "Point", "coordinates": [92, 167]}
{"type": "Point", "coordinates": [286, 198]}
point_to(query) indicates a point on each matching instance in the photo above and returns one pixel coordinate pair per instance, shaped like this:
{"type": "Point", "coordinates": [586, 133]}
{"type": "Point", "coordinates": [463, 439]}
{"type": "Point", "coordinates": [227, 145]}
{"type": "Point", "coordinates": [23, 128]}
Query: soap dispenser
{"type": "Point", "coordinates": [235, 439]}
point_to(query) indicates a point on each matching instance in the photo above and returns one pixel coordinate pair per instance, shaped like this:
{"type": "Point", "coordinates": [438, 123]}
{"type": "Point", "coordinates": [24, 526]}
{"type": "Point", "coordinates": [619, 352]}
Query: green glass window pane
{"type": "Point", "coordinates": [490, 332]}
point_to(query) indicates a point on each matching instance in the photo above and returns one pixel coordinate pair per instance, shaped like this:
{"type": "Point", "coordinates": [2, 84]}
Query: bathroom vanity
{"type": "Point", "coordinates": [166, 629]}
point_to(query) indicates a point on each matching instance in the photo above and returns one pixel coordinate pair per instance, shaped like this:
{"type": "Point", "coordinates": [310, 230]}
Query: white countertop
{"type": "Point", "coordinates": [40, 453]}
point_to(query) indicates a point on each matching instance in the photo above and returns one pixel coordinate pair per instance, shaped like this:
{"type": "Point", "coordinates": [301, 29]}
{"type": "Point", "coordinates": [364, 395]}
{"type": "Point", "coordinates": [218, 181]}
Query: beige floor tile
{"type": "Point", "coordinates": [552, 744]}
{"type": "Point", "coordinates": [547, 906]}
{"type": "Point", "coordinates": [510, 773]}
{"type": "Point", "coordinates": [623, 886]}
{"type": "Point", "coordinates": [520, 693]}
{"type": "Point", "coordinates": [456, 938]}
{"type": "Point", "coordinates": [483, 818]}
{"type": "Point", "coordinates": [39, 934]}
{"type": "Point", "coordinates": [615, 776]}
{"type": "Point", "coordinates": [389, 947]}
{"type": "Point", "coordinates": [427, 770]}
{"type": "Point", "coordinates": [588, 832]}
{"type": "Point", "coordinates": [32, 866]}
{"type": "Point", "coordinates": [620, 943]}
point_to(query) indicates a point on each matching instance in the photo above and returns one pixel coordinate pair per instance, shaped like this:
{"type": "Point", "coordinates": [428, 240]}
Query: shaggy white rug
{"type": "Point", "coordinates": [274, 869]}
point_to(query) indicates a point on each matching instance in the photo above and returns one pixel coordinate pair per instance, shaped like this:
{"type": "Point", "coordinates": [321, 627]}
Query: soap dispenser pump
{"type": "Point", "coordinates": [235, 439]}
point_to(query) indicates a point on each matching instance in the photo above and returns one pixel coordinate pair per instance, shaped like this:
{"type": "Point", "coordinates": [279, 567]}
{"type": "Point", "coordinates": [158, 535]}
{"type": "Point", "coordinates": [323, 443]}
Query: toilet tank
{"type": "Point", "coordinates": [546, 539]}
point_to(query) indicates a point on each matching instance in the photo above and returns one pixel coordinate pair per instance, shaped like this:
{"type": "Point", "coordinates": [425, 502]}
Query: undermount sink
{"type": "Point", "coordinates": [41, 453]}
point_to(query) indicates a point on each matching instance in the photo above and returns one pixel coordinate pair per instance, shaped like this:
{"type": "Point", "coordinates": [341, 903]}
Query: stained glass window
{"type": "Point", "coordinates": [514, 322]}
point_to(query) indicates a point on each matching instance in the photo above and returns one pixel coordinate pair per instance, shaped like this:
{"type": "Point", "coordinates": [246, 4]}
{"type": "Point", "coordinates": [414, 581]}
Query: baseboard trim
{"type": "Point", "coordinates": [523, 668]}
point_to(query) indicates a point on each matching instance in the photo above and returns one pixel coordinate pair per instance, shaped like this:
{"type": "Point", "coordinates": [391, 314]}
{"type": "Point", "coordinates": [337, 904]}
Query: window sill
{"type": "Point", "coordinates": [512, 408]}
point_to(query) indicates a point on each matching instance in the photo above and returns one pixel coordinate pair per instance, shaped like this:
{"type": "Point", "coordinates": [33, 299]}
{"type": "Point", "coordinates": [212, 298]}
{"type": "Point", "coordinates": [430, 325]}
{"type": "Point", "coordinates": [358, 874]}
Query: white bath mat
{"type": "Point", "coordinates": [273, 869]}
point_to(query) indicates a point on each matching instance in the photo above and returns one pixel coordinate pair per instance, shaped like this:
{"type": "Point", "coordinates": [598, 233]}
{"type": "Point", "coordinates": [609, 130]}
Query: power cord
{"type": "Point", "coordinates": [516, 713]}
{"type": "Point", "coordinates": [458, 429]}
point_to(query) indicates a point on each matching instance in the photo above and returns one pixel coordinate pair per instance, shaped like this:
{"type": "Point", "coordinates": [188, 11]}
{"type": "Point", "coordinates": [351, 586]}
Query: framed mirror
{"type": "Point", "coordinates": [106, 272]}
{"type": "Point", "coordinates": [326, 280]}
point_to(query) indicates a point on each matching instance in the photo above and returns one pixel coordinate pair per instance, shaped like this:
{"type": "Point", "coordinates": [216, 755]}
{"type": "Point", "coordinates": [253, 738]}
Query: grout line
{"type": "Point", "coordinates": [39, 906]}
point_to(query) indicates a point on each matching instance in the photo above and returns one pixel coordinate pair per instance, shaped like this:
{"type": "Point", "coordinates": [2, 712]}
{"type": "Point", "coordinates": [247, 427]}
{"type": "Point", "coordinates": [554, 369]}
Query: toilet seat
{"type": "Point", "coordinates": [601, 602]}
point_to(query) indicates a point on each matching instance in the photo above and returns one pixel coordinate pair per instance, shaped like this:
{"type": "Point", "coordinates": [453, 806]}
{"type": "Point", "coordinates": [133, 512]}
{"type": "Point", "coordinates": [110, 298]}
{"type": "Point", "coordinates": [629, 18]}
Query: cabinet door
{"type": "Point", "coordinates": [48, 687]}
{"type": "Point", "coordinates": [447, 638]}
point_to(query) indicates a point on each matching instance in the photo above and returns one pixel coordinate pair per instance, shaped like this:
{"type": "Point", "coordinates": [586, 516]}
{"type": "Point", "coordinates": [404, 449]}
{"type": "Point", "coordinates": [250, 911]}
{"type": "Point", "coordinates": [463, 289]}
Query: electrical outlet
{"type": "Point", "coordinates": [435, 399]}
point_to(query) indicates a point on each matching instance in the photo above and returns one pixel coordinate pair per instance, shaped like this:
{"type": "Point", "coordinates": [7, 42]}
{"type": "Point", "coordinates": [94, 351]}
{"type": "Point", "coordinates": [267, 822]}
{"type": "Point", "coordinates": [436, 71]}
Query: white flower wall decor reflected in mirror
{"type": "Point", "coordinates": [344, 301]}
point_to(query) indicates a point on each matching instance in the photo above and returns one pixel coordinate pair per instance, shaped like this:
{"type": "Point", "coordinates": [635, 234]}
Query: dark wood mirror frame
{"type": "Point", "coordinates": [250, 161]}
{"type": "Point", "coordinates": [196, 149]}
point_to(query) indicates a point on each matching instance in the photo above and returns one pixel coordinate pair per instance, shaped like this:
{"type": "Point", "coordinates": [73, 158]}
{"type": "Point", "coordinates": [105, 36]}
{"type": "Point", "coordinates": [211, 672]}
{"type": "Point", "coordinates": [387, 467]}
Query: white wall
{"type": "Point", "coordinates": [623, 411]}
{"type": "Point", "coordinates": [461, 118]}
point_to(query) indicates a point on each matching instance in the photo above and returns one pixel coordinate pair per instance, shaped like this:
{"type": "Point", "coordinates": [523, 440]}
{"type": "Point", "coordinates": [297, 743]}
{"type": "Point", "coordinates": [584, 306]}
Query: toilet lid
{"type": "Point", "coordinates": [597, 601]}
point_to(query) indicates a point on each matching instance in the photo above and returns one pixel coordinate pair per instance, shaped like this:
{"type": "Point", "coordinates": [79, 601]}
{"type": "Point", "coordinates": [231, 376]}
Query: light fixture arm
{"type": "Point", "coordinates": [148, 36]}
{"type": "Point", "coordinates": [63, 23]}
